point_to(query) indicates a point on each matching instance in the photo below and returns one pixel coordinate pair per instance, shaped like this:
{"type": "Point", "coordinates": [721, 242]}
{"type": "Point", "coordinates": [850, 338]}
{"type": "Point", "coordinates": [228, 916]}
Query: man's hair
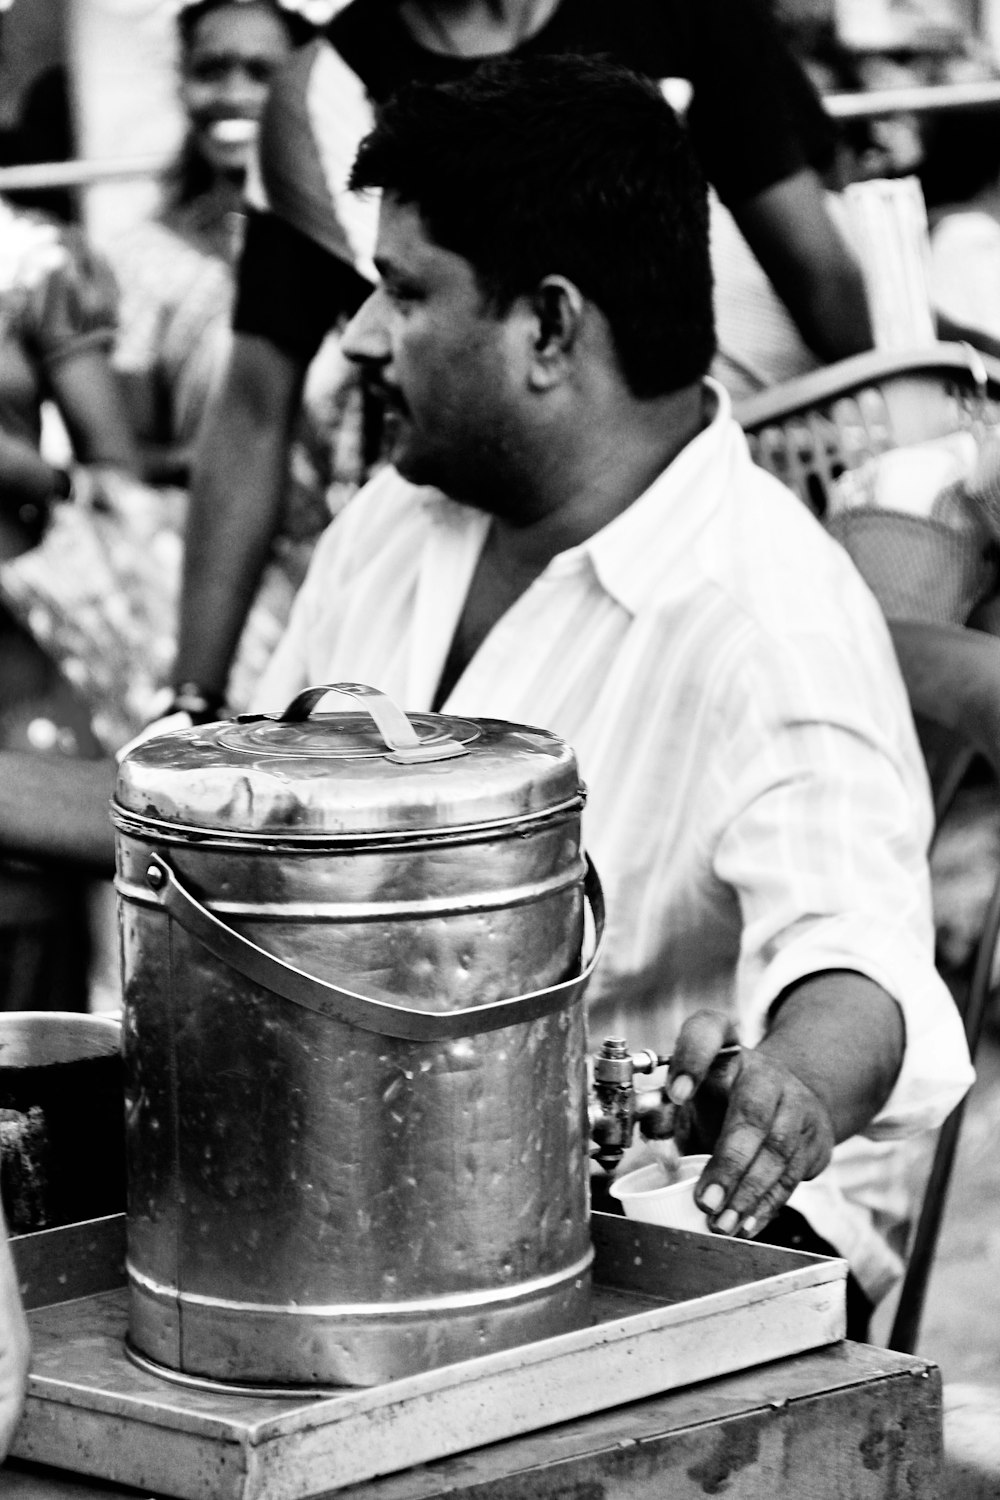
{"type": "Point", "coordinates": [562, 166]}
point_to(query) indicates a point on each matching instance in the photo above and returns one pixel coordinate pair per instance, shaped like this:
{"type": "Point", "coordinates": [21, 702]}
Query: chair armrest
{"type": "Point", "coordinates": [873, 367]}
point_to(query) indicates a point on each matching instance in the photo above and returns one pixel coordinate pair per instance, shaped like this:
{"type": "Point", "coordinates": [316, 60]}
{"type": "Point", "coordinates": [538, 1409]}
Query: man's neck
{"type": "Point", "coordinates": [571, 497]}
{"type": "Point", "coordinates": [574, 489]}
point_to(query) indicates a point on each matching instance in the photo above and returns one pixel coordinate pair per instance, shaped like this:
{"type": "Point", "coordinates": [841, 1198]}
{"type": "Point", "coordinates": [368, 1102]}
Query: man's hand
{"type": "Point", "coordinates": [766, 1129]}
{"type": "Point", "coordinates": [772, 1116]}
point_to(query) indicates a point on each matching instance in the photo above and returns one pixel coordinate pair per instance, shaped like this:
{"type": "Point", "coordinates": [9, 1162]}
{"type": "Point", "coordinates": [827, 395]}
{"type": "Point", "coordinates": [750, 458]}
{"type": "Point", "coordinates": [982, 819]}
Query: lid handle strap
{"type": "Point", "coordinates": [382, 1017]}
{"type": "Point", "coordinates": [398, 734]}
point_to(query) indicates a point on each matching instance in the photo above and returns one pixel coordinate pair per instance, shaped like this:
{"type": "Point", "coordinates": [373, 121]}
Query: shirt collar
{"type": "Point", "coordinates": [629, 555]}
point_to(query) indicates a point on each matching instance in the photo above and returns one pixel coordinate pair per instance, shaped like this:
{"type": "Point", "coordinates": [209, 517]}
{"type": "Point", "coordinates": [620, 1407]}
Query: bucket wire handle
{"type": "Point", "coordinates": [381, 1016]}
{"type": "Point", "coordinates": [401, 739]}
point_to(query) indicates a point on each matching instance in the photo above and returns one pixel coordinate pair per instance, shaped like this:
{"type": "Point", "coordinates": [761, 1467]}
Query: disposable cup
{"type": "Point", "coordinates": [659, 1195]}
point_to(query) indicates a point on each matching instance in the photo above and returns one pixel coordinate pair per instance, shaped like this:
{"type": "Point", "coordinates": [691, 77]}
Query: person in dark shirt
{"type": "Point", "coordinates": [754, 118]}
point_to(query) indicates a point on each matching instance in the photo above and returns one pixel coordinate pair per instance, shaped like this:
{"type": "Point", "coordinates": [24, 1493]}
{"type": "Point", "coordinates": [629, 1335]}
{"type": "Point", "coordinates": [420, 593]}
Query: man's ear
{"type": "Point", "coordinates": [558, 307]}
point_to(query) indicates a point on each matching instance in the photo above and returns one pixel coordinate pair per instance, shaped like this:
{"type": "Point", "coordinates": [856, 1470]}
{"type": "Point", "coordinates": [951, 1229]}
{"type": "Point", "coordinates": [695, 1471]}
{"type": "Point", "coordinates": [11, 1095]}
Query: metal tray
{"type": "Point", "coordinates": [670, 1308]}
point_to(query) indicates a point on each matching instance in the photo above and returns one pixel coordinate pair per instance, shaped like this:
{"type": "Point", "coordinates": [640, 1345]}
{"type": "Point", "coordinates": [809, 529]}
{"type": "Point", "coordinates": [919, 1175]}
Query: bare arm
{"type": "Point", "coordinates": [790, 230]}
{"type": "Point", "coordinates": [823, 1071]}
{"type": "Point", "coordinates": [15, 1346]}
{"type": "Point", "coordinates": [53, 807]}
{"type": "Point", "coordinates": [24, 474]}
{"type": "Point", "coordinates": [93, 407]}
{"type": "Point", "coordinates": [239, 477]}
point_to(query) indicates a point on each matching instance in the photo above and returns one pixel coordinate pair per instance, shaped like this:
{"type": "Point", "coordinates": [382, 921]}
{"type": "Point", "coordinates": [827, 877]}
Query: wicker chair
{"type": "Point", "coordinates": [810, 433]}
{"type": "Point", "coordinates": [810, 430]}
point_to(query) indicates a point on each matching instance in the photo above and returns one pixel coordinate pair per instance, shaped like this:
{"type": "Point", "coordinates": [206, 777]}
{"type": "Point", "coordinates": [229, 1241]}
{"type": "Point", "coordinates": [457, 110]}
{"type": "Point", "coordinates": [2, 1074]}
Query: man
{"type": "Point", "coordinates": [573, 536]}
{"type": "Point", "coordinates": [756, 124]}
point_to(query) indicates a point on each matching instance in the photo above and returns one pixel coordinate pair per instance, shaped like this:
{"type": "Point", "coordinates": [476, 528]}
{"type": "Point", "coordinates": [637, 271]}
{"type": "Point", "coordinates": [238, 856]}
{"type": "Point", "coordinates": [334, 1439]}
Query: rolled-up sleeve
{"type": "Point", "coordinates": [823, 838]}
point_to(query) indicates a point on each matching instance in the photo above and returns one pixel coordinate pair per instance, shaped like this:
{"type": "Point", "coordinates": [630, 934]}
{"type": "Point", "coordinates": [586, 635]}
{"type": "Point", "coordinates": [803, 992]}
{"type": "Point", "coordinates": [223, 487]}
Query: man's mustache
{"type": "Point", "coordinates": [388, 395]}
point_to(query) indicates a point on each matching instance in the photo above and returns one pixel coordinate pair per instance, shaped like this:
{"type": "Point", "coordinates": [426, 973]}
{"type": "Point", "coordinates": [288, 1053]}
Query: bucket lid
{"type": "Point", "coordinates": [301, 773]}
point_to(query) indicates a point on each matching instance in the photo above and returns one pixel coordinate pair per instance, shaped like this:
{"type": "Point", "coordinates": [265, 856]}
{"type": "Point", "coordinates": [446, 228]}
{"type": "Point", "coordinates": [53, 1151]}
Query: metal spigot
{"type": "Point", "coordinates": [612, 1116]}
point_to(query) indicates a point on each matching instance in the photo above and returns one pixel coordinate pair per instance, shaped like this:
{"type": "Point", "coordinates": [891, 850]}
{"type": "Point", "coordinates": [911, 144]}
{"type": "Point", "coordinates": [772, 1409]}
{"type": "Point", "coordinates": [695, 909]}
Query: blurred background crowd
{"type": "Point", "coordinates": [127, 132]}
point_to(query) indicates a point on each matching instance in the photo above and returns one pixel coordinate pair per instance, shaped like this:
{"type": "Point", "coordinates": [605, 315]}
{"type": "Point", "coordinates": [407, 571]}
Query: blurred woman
{"type": "Point", "coordinates": [175, 272]}
{"type": "Point", "coordinates": [103, 589]}
{"type": "Point", "coordinates": [57, 326]}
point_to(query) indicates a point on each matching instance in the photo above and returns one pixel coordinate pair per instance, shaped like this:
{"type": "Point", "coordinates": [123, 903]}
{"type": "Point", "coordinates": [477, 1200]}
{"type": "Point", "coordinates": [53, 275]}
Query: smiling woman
{"type": "Point", "coordinates": [175, 272]}
{"type": "Point", "coordinates": [229, 50]}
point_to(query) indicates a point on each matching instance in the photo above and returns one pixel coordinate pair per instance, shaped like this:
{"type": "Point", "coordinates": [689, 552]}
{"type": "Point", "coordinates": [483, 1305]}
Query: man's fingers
{"type": "Point", "coordinates": [776, 1133]}
{"type": "Point", "coordinates": [699, 1042]}
{"type": "Point", "coordinates": [741, 1168]}
{"type": "Point", "coordinates": [756, 1196]}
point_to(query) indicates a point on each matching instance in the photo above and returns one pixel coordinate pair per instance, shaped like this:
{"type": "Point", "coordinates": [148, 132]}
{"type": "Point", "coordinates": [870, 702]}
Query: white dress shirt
{"type": "Point", "coordinates": [757, 804]}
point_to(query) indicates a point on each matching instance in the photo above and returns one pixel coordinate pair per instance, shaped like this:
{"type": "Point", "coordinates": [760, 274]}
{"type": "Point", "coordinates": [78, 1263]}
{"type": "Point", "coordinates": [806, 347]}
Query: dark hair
{"type": "Point", "coordinates": [190, 14]}
{"type": "Point", "coordinates": [570, 166]}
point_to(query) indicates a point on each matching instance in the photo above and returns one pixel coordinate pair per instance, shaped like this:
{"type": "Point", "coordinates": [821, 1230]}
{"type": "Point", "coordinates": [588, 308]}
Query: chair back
{"type": "Point", "coordinates": [810, 431]}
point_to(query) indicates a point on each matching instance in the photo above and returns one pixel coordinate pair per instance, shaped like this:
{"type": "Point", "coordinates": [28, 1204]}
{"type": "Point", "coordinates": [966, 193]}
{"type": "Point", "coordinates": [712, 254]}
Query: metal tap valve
{"type": "Point", "coordinates": [612, 1116]}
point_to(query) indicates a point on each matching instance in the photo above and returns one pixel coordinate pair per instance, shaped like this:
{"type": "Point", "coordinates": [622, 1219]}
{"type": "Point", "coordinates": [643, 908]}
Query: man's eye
{"type": "Point", "coordinates": [401, 293]}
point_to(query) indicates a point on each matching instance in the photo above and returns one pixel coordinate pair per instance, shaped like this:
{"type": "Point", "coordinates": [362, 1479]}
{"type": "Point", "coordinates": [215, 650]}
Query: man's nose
{"type": "Point", "coordinates": [366, 337]}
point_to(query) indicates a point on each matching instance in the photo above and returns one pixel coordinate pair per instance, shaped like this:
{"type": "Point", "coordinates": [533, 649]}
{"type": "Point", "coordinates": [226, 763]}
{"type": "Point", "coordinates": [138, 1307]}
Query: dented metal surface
{"type": "Point", "coordinates": [310, 1201]}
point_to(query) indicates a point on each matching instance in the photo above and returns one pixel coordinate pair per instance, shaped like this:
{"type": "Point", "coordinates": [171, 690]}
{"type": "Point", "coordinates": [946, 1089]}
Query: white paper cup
{"type": "Point", "coordinates": [657, 1196]}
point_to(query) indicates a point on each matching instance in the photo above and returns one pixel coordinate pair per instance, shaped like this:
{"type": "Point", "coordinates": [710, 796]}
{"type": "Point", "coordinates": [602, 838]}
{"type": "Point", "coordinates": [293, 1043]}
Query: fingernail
{"type": "Point", "coordinates": [749, 1226]}
{"type": "Point", "coordinates": [681, 1089]}
{"type": "Point", "coordinates": [727, 1222]}
{"type": "Point", "coordinates": [712, 1198]}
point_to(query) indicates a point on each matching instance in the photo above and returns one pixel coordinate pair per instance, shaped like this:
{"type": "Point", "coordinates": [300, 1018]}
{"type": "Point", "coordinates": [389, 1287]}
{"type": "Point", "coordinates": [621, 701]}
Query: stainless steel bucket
{"type": "Point", "coordinates": [354, 1043]}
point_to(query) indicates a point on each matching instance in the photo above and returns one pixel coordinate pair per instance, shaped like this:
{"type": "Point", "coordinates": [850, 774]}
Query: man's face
{"type": "Point", "coordinates": [450, 368]}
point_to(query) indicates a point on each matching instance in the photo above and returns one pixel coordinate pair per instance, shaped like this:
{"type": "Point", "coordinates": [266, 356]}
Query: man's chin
{"type": "Point", "coordinates": [408, 461]}
{"type": "Point", "coordinates": [422, 475]}
{"type": "Point", "coordinates": [416, 461]}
